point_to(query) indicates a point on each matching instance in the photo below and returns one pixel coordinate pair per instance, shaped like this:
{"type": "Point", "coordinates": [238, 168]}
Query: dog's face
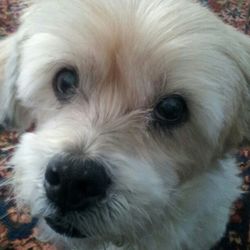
{"type": "Point", "coordinates": [131, 99]}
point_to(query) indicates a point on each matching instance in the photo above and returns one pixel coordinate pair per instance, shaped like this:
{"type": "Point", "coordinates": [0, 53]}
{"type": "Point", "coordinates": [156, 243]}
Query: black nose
{"type": "Point", "coordinates": [72, 184]}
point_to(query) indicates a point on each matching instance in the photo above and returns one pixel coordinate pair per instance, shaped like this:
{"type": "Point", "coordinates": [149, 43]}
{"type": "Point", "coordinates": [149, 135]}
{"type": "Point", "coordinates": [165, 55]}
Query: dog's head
{"type": "Point", "coordinates": [131, 99]}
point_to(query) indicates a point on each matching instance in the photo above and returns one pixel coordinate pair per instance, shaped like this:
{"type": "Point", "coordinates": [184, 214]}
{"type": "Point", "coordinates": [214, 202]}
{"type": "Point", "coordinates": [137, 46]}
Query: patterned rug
{"type": "Point", "coordinates": [17, 231]}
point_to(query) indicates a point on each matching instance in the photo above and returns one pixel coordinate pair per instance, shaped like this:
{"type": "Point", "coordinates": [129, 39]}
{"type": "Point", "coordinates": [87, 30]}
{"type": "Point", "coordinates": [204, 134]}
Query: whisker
{"type": "Point", "coordinates": [3, 162]}
{"type": "Point", "coordinates": [6, 165]}
{"type": "Point", "coordinates": [8, 149]}
{"type": "Point", "coordinates": [11, 211]}
{"type": "Point", "coordinates": [10, 201]}
{"type": "Point", "coordinates": [5, 215]}
{"type": "Point", "coordinates": [6, 181]}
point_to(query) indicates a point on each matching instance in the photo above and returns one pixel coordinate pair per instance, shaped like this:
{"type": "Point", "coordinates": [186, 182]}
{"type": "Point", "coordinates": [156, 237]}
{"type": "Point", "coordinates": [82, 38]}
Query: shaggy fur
{"type": "Point", "coordinates": [167, 184]}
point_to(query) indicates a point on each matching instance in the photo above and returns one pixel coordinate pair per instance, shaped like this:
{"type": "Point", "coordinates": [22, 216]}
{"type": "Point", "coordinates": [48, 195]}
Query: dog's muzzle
{"type": "Point", "coordinates": [74, 185]}
{"type": "Point", "coordinates": [64, 228]}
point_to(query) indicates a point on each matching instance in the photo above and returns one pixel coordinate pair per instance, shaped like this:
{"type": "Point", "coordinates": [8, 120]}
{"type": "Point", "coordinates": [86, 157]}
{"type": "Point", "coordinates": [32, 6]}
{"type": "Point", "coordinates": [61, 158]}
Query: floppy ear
{"type": "Point", "coordinates": [240, 53]}
{"type": "Point", "coordinates": [12, 114]}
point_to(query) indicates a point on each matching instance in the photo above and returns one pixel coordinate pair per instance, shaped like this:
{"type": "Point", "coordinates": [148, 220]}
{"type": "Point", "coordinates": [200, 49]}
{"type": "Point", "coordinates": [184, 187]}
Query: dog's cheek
{"type": "Point", "coordinates": [144, 182]}
{"type": "Point", "coordinates": [29, 163]}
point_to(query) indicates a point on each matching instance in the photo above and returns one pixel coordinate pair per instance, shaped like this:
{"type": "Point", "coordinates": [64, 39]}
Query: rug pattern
{"type": "Point", "coordinates": [17, 230]}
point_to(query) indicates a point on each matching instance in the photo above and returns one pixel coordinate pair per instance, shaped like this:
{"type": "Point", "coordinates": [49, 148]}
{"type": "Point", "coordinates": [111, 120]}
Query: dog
{"type": "Point", "coordinates": [138, 106]}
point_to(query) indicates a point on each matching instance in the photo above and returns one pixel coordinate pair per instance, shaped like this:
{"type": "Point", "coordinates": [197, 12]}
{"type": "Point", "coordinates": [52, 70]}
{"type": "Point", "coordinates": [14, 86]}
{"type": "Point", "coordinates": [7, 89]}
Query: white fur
{"type": "Point", "coordinates": [171, 190]}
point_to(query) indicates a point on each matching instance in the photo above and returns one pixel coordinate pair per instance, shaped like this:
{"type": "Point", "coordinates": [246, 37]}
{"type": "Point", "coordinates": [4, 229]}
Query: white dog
{"type": "Point", "coordinates": [137, 105]}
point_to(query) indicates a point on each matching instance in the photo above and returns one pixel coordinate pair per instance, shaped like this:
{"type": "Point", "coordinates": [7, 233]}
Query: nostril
{"type": "Point", "coordinates": [52, 176]}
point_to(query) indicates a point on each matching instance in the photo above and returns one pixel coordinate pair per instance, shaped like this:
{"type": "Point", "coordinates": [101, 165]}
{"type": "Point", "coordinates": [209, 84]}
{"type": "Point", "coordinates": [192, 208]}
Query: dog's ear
{"type": "Point", "coordinates": [12, 114]}
{"type": "Point", "coordinates": [239, 50]}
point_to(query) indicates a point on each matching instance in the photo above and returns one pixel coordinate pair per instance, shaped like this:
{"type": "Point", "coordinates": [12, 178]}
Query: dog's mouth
{"type": "Point", "coordinates": [63, 228]}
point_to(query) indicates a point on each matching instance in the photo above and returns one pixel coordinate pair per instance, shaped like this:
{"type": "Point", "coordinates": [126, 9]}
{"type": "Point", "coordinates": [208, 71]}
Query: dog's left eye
{"type": "Point", "coordinates": [170, 111]}
{"type": "Point", "coordinates": [65, 83]}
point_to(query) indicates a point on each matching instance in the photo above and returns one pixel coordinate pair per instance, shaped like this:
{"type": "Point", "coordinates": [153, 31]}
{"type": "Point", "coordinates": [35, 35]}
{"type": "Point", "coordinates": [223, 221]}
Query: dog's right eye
{"type": "Point", "coordinates": [65, 84]}
{"type": "Point", "coordinates": [170, 111]}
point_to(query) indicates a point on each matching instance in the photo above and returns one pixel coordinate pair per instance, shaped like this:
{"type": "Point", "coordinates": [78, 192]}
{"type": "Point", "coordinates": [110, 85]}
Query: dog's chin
{"type": "Point", "coordinates": [63, 228]}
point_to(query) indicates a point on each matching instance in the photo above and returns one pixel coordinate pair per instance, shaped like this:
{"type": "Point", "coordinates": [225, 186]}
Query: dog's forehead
{"type": "Point", "coordinates": [138, 44]}
{"type": "Point", "coordinates": [121, 40]}
{"type": "Point", "coordinates": [125, 38]}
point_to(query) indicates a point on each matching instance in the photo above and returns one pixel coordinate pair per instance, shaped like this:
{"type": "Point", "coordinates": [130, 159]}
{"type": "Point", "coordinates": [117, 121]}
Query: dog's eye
{"type": "Point", "coordinates": [170, 111]}
{"type": "Point", "coordinates": [65, 83]}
